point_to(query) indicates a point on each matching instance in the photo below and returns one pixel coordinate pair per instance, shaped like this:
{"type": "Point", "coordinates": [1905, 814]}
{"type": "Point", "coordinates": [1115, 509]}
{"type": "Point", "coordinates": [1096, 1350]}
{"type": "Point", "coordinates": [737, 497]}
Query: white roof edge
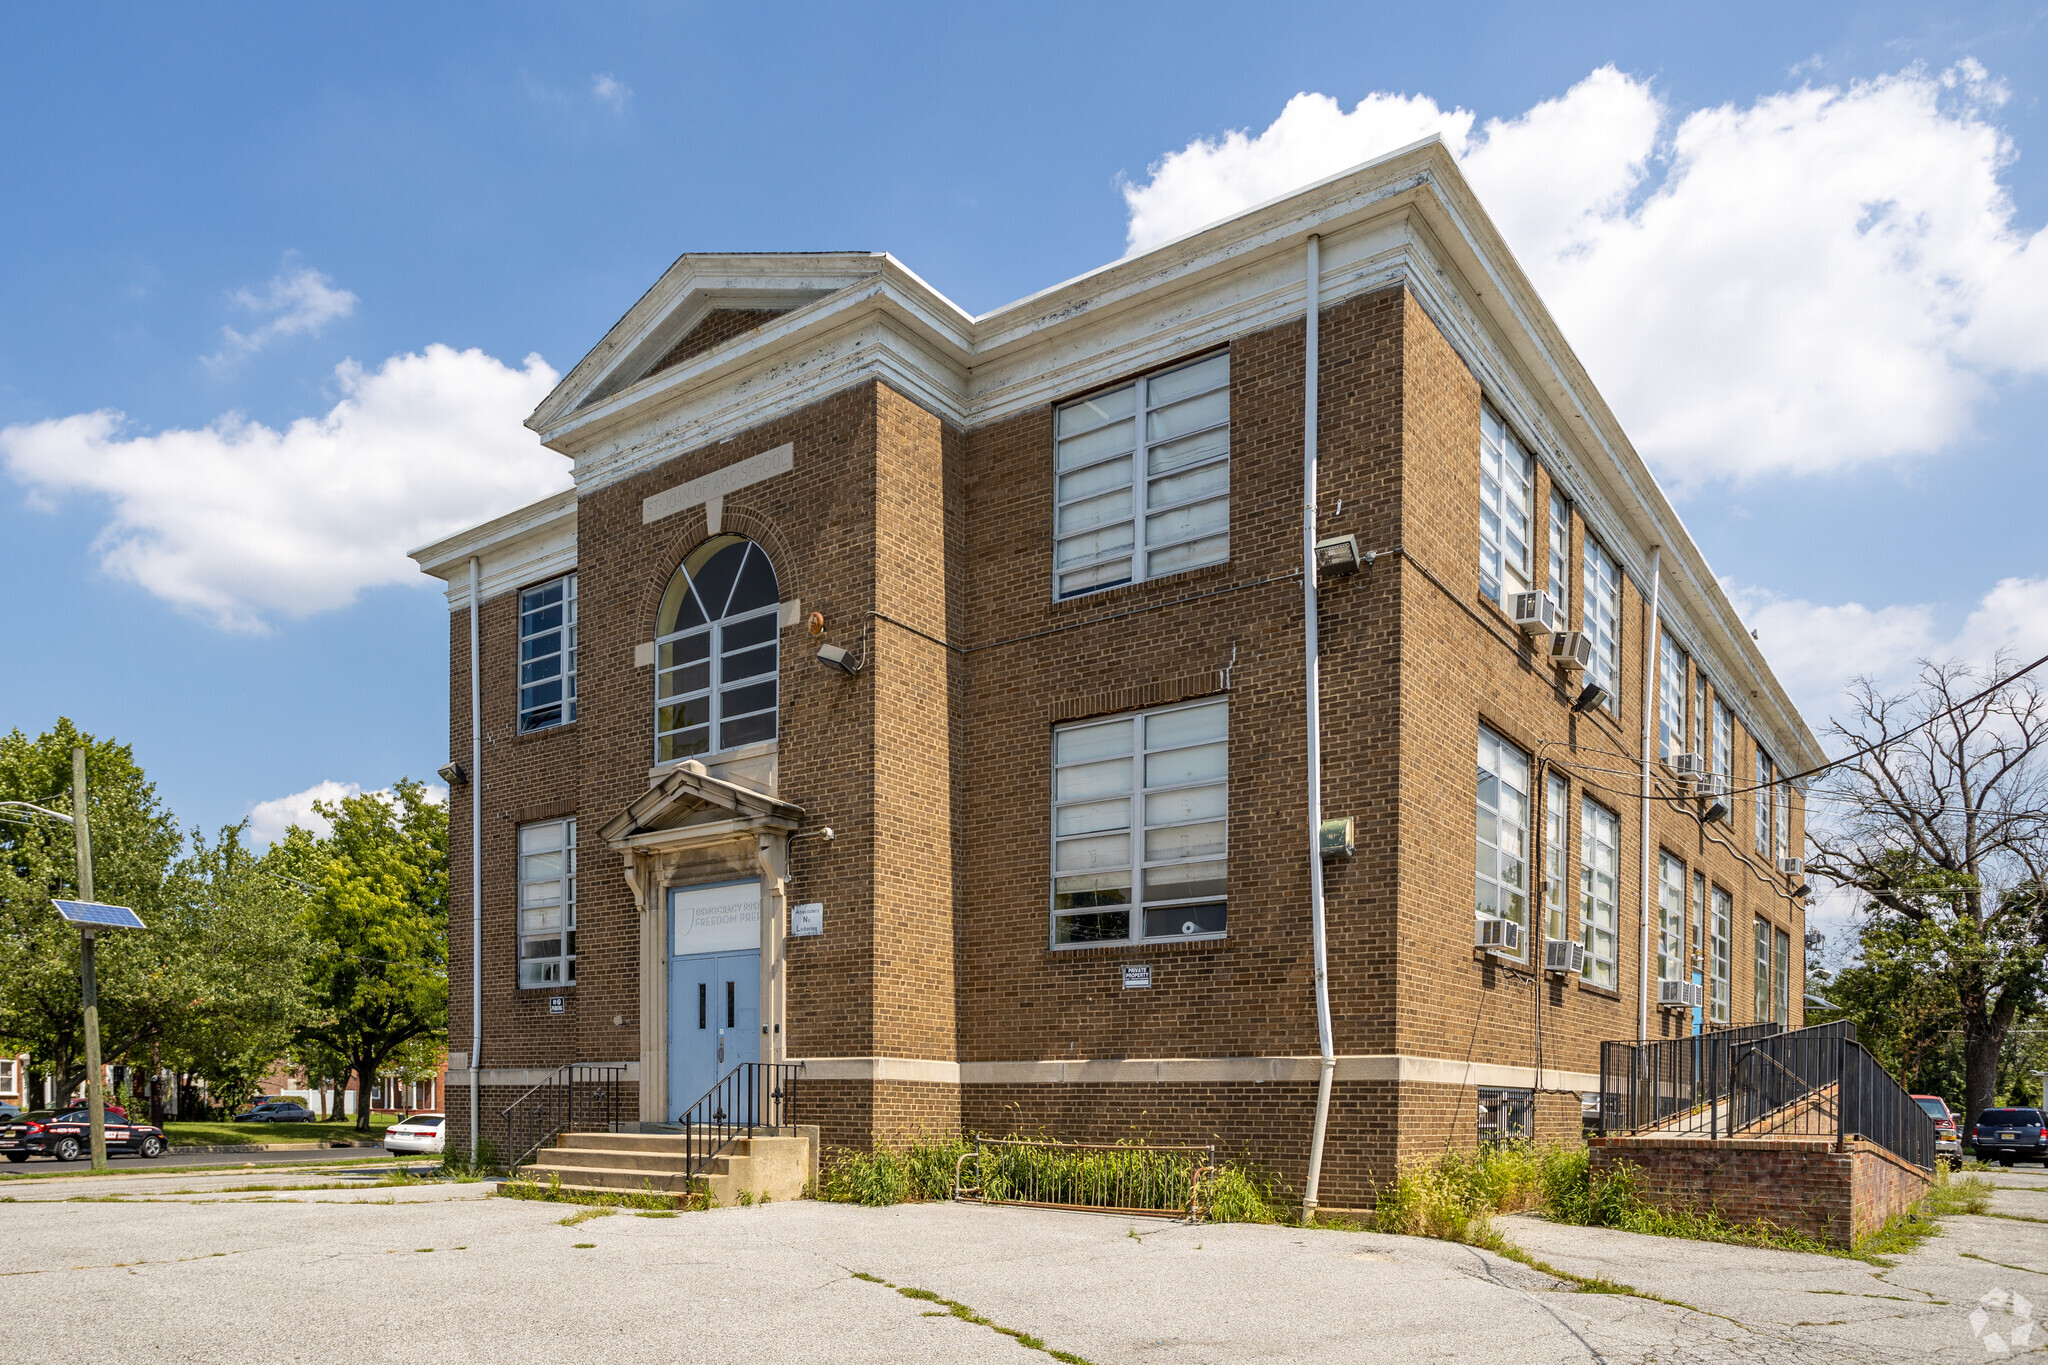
{"type": "Point", "coordinates": [450, 551]}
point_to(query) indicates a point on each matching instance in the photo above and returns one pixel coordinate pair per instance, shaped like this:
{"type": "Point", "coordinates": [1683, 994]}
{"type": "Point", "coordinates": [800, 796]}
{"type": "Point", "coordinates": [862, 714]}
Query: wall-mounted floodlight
{"type": "Point", "coordinates": [833, 657]}
{"type": "Point", "coordinates": [1801, 890]}
{"type": "Point", "coordinates": [451, 773]}
{"type": "Point", "coordinates": [1590, 696]}
{"type": "Point", "coordinates": [1717, 809]}
{"type": "Point", "coordinates": [1338, 555]}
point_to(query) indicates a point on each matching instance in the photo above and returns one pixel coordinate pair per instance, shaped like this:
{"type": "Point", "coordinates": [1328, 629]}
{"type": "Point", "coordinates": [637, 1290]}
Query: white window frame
{"type": "Point", "coordinates": [1781, 818]}
{"type": "Point", "coordinates": [1599, 889]}
{"type": "Point", "coordinates": [1723, 761]}
{"type": "Point", "coordinates": [1556, 834]}
{"type": "Point", "coordinates": [1762, 1003]}
{"type": "Point", "coordinates": [1559, 584]}
{"type": "Point", "coordinates": [533, 636]}
{"type": "Point", "coordinates": [1167, 505]}
{"type": "Point", "coordinates": [1720, 956]}
{"type": "Point", "coordinates": [1671, 670]}
{"type": "Point", "coordinates": [1501, 864]}
{"type": "Point", "coordinates": [1765, 777]}
{"type": "Point", "coordinates": [1602, 621]}
{"type": "Point", "coordinates": [10, 1078]}
{"type": "Point", "coordinates": [541, 889]}
{"type": "Point", "coordinates": [1781, 975]}
{"type": "Point", "coordinates": [1083, 834]}
{"type": "Point", "coordinates": [671, 662]}
{"type": "Point", "coordinates": [1697, 738]}
{"type": "Point", "coordinates": [1507, 488]}
{"type": "Point", "coordinates": [1670, 917]}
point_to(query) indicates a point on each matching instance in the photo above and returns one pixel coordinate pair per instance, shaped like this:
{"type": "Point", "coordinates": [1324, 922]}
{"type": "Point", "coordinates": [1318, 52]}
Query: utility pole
{"type": "Point", "coordinates": [95, 1094]}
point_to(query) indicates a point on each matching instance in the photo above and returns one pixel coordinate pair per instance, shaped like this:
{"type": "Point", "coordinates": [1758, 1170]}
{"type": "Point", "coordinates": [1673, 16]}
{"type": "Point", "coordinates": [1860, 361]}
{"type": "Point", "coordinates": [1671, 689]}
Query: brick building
{"type": "Point", "coordinates": [1062, 542]}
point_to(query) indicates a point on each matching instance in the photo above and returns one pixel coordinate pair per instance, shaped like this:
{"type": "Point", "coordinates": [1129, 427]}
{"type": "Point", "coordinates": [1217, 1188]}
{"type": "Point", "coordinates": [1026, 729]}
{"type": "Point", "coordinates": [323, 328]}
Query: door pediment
{"type": "Point", "coordinates": [689, 806]}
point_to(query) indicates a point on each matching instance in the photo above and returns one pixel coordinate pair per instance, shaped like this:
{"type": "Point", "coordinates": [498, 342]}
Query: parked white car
{"type": "Point", "coordinates": [416, 1134]}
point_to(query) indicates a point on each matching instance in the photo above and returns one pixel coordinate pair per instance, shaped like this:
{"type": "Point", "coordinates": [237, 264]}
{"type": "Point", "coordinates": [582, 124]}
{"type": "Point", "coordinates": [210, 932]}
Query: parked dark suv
{"type": "Point", "coordinates": [2009, 1135]}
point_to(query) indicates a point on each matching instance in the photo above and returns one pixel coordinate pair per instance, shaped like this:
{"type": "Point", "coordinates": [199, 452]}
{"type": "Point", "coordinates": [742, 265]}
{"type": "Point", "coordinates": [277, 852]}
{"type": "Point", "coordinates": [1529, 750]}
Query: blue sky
{"type": "Point", "coordinates": [206, 216]}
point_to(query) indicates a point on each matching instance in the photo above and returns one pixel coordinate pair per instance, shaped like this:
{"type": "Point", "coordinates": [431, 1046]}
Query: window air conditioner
{"type": "Point", "coordinates": [1498, 936]}
{"type": "Point", "coordinates": [1792, 867]}
{"type": "Point", "coordinates": [1536, 614]}
{"type": "Point", "coordinates": [1563, 956]}
{"type": "Point", "coordinates": [1571, 649]}
{"type": "Point", "coordinates": [1689, 765]}
{"type": "Point", "coordinates": [1712, 784]}
{"type": "Point", "coordinates": [1678, 995]}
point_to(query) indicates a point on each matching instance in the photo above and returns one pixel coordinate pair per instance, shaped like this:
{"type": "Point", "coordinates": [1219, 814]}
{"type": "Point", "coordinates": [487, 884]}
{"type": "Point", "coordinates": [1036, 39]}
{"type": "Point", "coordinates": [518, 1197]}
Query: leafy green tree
{"type": "Point", "coordinates": [378, 971]}
{"type": "Point", "coordinates": [135, 845]}
{"type": "Point", "coordinates": [1941, 826]}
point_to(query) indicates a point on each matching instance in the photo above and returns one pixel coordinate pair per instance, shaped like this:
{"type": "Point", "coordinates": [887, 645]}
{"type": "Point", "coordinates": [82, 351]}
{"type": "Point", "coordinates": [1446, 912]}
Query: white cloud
{"type": "Point", "coordinates": [1828, 276]}
{"type": "Point", "coordinates": [609, 89]}
{"type": "Point", "coordinates": [1816, 648]}
{"type": "Point", "coordinates": [268, 820]}
{"type": "Point", "coordinates": [242, 523]}
{"type": "Point", "coordinates": [299, 303]}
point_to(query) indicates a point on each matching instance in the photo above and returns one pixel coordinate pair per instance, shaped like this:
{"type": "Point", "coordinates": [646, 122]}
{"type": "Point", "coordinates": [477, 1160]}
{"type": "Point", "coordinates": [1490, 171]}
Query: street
{"type": "Point", "coordinates": [442, 1271]}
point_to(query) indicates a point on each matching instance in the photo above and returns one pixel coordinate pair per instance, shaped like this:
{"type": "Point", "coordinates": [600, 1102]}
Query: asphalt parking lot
{"type": "Point", "coordinates": [439, 1271]}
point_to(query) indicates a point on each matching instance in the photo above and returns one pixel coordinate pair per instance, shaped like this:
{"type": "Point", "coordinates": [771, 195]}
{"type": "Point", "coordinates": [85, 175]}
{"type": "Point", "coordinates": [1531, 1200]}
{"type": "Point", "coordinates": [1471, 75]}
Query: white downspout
{"type": "Point", "coordinates": [1312, 649]}
{"type": "Point", "coordinates": [1655, 656]}
{"type": "Point", "coordinates": [476, 856]}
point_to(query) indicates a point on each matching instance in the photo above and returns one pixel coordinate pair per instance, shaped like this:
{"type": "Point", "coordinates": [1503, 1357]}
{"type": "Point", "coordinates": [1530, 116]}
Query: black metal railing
{"type": "Point", "coordinates": [1762, 1081]}
{"type": "Point", "coordinates": [752, 1095]}
{"type": "Point", "coordinates": [1672, 1080]}
{"type": "Point", "coordinates": [581, 1094]}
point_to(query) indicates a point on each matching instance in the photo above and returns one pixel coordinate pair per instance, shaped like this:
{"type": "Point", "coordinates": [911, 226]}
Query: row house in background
{"type": "Point", "coordinates": [923, 697]}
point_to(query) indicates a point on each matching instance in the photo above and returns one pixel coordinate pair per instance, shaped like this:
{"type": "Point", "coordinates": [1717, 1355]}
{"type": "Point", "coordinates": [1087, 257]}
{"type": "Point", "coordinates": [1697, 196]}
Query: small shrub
{"type": "Point", "coordinates": [875, 1178]}
{"type": "Point", "coordinates": [457, 1165]}
{"type": "Point", "coordinates": [1236, 1194]}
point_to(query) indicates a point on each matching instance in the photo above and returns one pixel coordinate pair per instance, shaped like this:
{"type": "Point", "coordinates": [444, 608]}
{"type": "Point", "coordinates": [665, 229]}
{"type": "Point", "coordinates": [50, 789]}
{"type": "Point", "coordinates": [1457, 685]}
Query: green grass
{"type": "Point", "coordinates": [1456, 1196]}
{"type": "Point", "coordinates": [1122, 1177]}
{"type": "Point", "coordinates": [955, 1309]}
{"type": "Point", "coordinates": [226, 1134]}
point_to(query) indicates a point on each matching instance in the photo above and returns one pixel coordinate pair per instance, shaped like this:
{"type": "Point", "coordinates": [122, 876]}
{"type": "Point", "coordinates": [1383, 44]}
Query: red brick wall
{"type": "Point", "coordinates": [1806, 1185]}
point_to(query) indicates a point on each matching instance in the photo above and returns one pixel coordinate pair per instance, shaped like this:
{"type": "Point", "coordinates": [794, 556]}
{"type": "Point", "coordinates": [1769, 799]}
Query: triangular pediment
{"type": "Point", "coordinates": [688, 796]}
{"type": "Point", "coordinates": [699, 305]}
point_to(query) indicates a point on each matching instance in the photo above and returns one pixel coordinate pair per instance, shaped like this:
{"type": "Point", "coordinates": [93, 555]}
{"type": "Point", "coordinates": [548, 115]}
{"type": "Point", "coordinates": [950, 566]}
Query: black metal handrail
{"type": "Point", "coordinates": [1763, 1081]}
{"type": "Point", "coordinates": [752, 1095]}
{"type": "Point", "coordinates": [585, 1093]}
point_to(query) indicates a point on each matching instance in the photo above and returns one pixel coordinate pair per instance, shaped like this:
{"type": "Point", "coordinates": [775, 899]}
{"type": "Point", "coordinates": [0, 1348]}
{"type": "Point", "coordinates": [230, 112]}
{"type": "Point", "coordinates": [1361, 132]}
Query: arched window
{"type": "Point", "coordinates": [715, 651]}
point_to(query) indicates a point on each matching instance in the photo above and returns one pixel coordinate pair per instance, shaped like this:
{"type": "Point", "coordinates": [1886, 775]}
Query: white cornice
{"type": "Point", "coordinates": [1406, 218]}
{"type": "Point", "coordinates": [535, 542]}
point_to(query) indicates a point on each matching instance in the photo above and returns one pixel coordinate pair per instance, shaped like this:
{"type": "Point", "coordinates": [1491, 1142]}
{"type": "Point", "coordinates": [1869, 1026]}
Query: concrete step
{"type": "Point", "coordinates": [778, 1167]}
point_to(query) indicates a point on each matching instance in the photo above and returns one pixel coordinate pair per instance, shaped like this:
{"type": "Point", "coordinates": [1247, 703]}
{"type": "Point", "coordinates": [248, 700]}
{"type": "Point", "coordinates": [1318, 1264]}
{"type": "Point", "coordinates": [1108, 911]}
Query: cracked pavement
{"type": "Point", "coordinates": [414, 1273]}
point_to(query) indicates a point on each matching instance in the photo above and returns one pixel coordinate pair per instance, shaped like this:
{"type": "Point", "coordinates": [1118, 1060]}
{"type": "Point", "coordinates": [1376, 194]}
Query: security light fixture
{"type": "Point", "coordinates": [451, 773]}
{"type": "Point", "coordinates": [1717, 809]}
{"type": "Point", "coordinates": [1801, 890]}
{"type": "Point", "coordinates": [833, 657]}
{"type": "Point", "coordinates": [1338, 555]}
{"type": "Point", "coordinates": [1590, 696]}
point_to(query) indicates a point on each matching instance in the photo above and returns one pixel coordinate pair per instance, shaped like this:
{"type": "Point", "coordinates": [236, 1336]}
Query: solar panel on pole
{"type": "Point", "coordinates": [97, 915]}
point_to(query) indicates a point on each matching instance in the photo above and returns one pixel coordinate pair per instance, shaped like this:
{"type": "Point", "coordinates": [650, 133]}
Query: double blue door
{"type": "Point", "coordinates": [714, 1022]}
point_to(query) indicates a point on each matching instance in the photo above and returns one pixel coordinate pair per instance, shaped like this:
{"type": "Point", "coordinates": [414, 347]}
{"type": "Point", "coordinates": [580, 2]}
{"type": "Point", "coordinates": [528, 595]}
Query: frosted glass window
{"type": "Point", "coordinates": [1507, 479]}
{"type": "Point", "coordinates": [1501, 883]}
{"type": "Point", "coordinates": [1603, 621]}
{"type": "Point", "coordinates": [1556, 817]}
{"type": "Point", "coordinates": [1140, 826]}
{"type": "Point", "coordinates": [547, 903]}
{"type": "Point", "coordinates": [1143, 479]}
{"type": "Point", "coordinates": [1599, 867]}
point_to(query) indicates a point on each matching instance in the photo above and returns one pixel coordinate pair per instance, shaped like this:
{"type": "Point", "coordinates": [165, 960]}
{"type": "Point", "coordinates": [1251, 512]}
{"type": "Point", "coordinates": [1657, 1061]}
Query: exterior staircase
{"type": "Point", "coordinates": [775, 1166]}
